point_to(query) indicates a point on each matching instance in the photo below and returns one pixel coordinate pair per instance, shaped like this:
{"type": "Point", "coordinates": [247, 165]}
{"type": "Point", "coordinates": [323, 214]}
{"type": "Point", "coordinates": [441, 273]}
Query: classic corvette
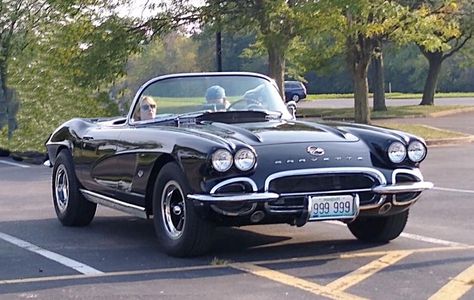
{"type": "Point", "coordinates": [223, 149]}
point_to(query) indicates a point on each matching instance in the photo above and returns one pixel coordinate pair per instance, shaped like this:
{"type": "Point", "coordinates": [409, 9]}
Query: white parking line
{"type": "Point", "coordinates": [432, 240]}
{"type": "Point", "coordinates": [453, 190]}
{"type": "Point", "coordinates": [79, 267]}
{"type": "Point", "coordinates": [13, 164]}
{"type": "Point", "coordinates": [417, 237]}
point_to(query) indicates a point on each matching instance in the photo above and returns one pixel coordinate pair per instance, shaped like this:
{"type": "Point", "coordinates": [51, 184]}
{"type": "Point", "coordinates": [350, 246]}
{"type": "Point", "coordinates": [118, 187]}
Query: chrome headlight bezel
{"type": "Point", "coordinates": [416, 151]}
{"type": "Point", "coordinates": [245, 159]}
{"type": "Point", "coordinates": [222, 160]}
{"type": "Point", "coordinates": [397, 152]}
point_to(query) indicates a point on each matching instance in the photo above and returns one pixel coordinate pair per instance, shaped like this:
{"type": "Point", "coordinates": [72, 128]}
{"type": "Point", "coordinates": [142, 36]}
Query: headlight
{"type": "Point", "coordinates": [416, 151]}
{"type": "Point", "coordinates": [244, 159]}
{"type": "Point", "coordinates": [222, 160]}
{"type": "Point", "coordinates": [397, 152]}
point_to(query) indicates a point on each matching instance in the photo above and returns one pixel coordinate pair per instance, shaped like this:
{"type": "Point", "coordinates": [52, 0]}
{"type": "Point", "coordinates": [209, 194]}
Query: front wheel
{"type": "Point", "coordinates": [379, 229]}
{"type": "Point", "coordinates": [180, 231]}
{"type": "Point", "coordinates": [72, 209]}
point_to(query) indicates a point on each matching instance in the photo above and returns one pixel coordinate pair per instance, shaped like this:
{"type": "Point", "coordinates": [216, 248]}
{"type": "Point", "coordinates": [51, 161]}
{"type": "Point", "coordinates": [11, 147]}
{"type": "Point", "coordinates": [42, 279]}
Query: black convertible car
{"type": "Point", "coordinates": [223, 149]}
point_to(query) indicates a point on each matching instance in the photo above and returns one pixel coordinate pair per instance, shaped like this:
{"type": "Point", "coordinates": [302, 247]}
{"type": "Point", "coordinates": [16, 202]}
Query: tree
{"type": "Point", "coordinates": [62, 66]}
{"type": "Point", "coordinates": [364, 23]}
{"type": "Point", "coordinates": [277, 23]}
{"type": "Point", "coordinates": [172, 53]}
{"type": "Point", "coordinates": [74, 35]}
{"type": "Point", "coordinates": [445, 27]}
{"type": "Point", "coordinates": [17, 20]}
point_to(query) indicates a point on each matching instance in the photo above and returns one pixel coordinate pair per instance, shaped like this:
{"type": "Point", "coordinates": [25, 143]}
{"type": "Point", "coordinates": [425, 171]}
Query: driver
{"type": "Point", "coordinates": [146, 109]}
{"type": "Point", "coordinates": [215, 95]}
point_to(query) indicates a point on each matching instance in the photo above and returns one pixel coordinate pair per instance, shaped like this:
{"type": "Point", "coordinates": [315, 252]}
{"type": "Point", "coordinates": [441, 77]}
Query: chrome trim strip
{"type": "Point", "coordinates": [378, 204]}
{"type": "Point", "coordinates": [233, 180]}
{"type": "Point", "coordinates": [169, 76]}
{"type": "Point", "coordinates": [114, 203]}
{"type": "Point", "coordinates": [403, 187]}
{"type": "Point", "coordinates": [242, 197]}
{"type": "Point", "coordinates": [414, 172]}
{"type": "Point", "coordinates": [376, 173]}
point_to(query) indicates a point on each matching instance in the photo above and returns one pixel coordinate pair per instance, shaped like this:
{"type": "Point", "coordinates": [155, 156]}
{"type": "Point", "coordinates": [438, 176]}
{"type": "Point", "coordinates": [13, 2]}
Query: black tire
{"type": "Point", "coordinates": [180, 231]}
{"type": "Point", "coordinates": [379, 229]}
{"type": "Point", "coordinates": [72, 209]}
{"type": "Point", "coordinates": [295, 97]}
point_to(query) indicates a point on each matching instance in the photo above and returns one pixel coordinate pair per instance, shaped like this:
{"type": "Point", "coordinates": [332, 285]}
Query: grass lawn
{"type": "Point", "coordinates": [424, 131]}
{"type": "Point", "coordinates": [394, 95]}
{"type": "Point", "coordinates": [392, 112]}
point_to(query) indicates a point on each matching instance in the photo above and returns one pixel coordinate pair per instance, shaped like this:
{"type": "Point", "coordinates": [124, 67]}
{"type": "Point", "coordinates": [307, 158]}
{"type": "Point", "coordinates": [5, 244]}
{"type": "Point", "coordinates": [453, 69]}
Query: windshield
{"type": "Point", "coordinates": [195, 93]}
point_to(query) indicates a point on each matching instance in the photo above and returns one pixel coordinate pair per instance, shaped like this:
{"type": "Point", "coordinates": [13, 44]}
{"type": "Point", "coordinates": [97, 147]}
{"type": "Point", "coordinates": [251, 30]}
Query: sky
{"type": "Point", "coordinates": [141, 8]}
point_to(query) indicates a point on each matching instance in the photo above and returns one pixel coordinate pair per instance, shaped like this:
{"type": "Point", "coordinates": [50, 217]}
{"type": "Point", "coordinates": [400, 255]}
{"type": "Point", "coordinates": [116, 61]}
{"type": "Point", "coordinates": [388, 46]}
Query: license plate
{"type": "Point", "coordinates": [333, 207]}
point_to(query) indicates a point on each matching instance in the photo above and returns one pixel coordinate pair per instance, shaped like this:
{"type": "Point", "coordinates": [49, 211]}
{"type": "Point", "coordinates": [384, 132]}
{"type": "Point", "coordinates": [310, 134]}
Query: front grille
{"type": "Point", "coordinates": [286, 205]}
{"type": "Point", "coordinates": [320, 183]}
{"type": "Point", "coordinates": [347, 183]}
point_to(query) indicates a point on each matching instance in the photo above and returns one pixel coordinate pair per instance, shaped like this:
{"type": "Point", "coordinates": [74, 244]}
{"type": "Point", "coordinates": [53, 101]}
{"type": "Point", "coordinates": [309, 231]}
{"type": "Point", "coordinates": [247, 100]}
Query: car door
{"type": "Point", "coordinates": [138, 149]}
{"type": "Point", "coordinates": [96, 165]}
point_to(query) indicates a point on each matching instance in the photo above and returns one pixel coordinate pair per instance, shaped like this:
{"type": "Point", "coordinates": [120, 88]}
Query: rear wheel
{"type": "Point", "coordinates": [72, 209]}
{"type": "Point", "coordinates": [295, 97]}
{"type": "Point", "coordinates": [379, 229]}
{"type": "Point", "coordinates": [180, 231]}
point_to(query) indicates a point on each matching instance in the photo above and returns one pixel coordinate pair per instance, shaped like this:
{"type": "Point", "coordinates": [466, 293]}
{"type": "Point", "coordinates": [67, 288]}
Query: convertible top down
{"type": "Point", "coordinates": [223, 149]}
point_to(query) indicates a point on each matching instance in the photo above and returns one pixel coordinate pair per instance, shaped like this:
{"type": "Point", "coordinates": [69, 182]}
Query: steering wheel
{"type": "Point", "coordinates": [249, 103]}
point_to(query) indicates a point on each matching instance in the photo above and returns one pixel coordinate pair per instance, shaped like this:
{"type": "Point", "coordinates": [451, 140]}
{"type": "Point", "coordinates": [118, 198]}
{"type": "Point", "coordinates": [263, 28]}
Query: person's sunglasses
{"type": "Point", "coordinates": [148, 106]}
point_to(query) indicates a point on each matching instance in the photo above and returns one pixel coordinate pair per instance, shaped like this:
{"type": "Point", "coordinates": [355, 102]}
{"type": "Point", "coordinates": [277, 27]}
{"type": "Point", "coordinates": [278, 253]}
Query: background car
{"type": "Point", "coordinates": [294, 90]}
{"type": "Point", "coordinates": [232, 157]}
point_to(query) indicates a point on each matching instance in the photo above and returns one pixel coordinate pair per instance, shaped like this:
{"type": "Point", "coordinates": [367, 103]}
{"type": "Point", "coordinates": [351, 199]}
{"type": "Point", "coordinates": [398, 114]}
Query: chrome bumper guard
{"type": "Point", "coordinates": [403, 187]}
{"type": "Point", "coordinates": [268, 196]}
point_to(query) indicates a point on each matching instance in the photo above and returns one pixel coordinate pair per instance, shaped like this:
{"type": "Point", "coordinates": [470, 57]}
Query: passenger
{"type": "Point", "coordinates": [146, 109]}
{"type": "Point", "coordinates": [215, 95]}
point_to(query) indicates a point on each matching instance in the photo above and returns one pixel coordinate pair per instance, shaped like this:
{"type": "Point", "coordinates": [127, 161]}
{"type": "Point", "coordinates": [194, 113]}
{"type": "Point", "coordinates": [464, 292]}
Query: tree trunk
{"type": "Point", "coordinates": [379, 78]}
{"type": "Point", "coordinates": [361, 96]}
{"type": "Point", "coordinates": [3, 102]}
{"type": "Point", "coordinates": [359, 51]}
{"type": "Point", "coordinates": [435, 59]}
{"type": "Point", "coordinates": [276, 67]}
{"type": "Point", "coordinates": [9, 104]}
{"type": "Point", "coordinates": [219, 51]}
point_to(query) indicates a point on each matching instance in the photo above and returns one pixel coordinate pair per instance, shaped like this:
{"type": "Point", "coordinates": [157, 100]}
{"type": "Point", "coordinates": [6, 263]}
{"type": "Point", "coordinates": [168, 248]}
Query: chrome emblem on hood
{"type": "Point", "coordinates": [313, 150]}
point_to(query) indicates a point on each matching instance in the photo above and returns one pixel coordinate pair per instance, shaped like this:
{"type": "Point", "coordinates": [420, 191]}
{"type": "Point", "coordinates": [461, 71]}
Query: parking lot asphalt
{"type": "Point", "coordinates": [117, 255]}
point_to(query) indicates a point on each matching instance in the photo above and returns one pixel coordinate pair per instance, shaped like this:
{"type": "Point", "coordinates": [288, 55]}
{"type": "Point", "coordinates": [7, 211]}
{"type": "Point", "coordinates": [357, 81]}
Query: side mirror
{"type": "Point", "coordinates": [291, 105]}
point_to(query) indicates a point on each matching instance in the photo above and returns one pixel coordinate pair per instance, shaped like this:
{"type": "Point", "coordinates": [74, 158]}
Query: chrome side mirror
{"type": "Point", "coordinates": [291, 105]}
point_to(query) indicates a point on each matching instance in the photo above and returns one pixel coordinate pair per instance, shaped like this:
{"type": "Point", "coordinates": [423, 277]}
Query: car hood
{"type": "Point", "coordinates": [274, 132]}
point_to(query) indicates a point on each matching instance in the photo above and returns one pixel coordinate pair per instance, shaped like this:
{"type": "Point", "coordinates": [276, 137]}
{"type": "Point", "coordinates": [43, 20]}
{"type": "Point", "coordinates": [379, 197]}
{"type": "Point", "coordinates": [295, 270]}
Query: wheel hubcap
{"type": "Point", "coordinates": [61, 188]}
{"type": "Point", "coordinates": [174, 209]}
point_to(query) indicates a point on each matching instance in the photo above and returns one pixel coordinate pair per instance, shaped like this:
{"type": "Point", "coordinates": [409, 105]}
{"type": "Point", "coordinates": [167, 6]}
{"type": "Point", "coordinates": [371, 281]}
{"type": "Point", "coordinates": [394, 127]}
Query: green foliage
{"type": "Point", "coordinates": [64, 66]}
{"type": "Point", "coordinates": [174, 53]}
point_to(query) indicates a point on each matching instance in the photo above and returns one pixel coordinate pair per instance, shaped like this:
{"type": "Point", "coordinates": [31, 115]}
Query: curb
{"type": "Point", "coordinates": [450, 141]}
{"type": "Point", "coordinates": [451, 112]}
{"type": "Point", "coordinates": [31, 157]}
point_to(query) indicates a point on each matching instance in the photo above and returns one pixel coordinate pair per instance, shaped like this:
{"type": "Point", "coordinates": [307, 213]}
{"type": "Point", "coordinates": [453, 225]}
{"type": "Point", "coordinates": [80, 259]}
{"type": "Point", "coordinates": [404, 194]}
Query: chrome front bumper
{"type": "Point", "coordinates": [268, 196]}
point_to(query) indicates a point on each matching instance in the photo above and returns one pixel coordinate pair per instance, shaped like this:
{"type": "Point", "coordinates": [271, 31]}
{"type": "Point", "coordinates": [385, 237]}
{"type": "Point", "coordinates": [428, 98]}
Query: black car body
{"type": "Point", "coordinates": [197, 165]}
{"type": "Point", "coordinates": [294, 91]}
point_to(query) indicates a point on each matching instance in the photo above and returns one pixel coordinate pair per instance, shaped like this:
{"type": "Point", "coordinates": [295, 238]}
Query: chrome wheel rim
{"type": "Point", "coordinates": [61, 188]}
{"type": "Point", "coordinates": [295, 98]}
{"type": "Point", "coordinates": [174, 209]}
